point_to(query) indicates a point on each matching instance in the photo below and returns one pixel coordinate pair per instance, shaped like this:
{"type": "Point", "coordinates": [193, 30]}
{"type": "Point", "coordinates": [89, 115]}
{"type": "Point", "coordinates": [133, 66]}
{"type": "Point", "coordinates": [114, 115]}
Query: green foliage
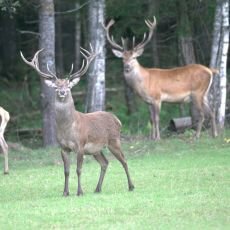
{"type": "Point", "coordinates": [20, 86]}
{"type": "Point", "coordinates": [23, 103]}
{"type": "Point", "coordinates": [178, 184]}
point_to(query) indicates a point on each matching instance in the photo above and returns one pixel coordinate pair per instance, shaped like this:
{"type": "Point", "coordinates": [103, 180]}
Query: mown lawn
{"type": "Point", "coordinates": [179, 184]}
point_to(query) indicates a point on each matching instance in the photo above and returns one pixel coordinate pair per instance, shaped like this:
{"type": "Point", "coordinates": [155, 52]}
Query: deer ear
{"type": "Point", "coordinates": [138, 52]}
{"type": "Point", "coordinates": [73, 82]}
{"type": "Point", "coordinates": [50, 83]}
{"type": "Point", "coordinates": [117, 53]}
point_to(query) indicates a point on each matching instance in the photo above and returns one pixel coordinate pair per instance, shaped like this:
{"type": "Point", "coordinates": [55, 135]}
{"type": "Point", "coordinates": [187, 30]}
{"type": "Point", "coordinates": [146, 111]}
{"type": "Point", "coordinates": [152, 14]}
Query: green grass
{"type": "Point", "coordinates": [179, 184]}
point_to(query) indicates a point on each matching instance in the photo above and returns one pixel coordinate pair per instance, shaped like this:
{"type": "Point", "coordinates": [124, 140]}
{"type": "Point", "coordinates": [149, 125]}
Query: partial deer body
{"type": "Point", "coordinates": [4, 119]}
{"type": "Point", "coordinates": [154, 86]}
{"type": "Point", "coordinates": [82, 133]}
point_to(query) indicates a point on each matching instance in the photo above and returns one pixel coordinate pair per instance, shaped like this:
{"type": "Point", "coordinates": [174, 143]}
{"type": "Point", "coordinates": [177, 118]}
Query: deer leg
{"type": "Point", "coordinates": [66, 161]}
{"type": "Point", "coordinates": [79, 168]}
{"type": "Point", "coordinates": [4, 147]}
{"type": "Point", "coordinates": [212, 116]}
{"type": "Point", "coordinates": [200, 123]}
{"type": "Point", "coordinates": [152, 121]}
{"type": "Point", "coordinates": [6, 167]}
{"type": "Point", "coordinates": [115, 148]}
{"type": "Point", "coordinates": [104, 164]}
{"type": "Point", "coordinates": [154, 111]}
{"type": "Point", "coordinates": [199, 105]}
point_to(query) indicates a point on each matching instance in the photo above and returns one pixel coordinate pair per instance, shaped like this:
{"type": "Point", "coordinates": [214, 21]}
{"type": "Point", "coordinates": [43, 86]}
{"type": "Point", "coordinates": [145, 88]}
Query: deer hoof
{"type": "Point", "coordinates": [65, 194]}
{"type": "Point", "coordinates": [97, 190]}
{"type": "Point", "coordinates": [79, 193]}
{"type": "Point", "coordinates": [131, 187]}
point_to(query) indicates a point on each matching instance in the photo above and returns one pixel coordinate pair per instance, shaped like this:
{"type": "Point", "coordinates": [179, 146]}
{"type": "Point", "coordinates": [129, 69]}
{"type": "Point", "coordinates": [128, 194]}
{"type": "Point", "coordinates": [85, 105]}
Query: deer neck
{"type": "Point", "coordinates": [67, 125]}
{"type": "Point", "coordinates": [136, 77]}
{"type": "Point", "coordinates": [132, 73]}
{"type": "Point", "coordinates": [65, 110]}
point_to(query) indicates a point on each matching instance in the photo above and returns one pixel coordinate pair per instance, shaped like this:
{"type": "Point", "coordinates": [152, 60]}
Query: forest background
{"type": "Point", "coordinates": [180, 24]}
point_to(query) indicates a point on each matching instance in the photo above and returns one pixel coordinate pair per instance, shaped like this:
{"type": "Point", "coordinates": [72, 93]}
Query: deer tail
{"type": "Point", "coordinates": [215, 71]}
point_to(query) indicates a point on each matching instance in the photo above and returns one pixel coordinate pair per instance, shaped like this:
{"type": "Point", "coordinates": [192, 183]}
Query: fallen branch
{"type": "Point", "coordinates": [29, 132]}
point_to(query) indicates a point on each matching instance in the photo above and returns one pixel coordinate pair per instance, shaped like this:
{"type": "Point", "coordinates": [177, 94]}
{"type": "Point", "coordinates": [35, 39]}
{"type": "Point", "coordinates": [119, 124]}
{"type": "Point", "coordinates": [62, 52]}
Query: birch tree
{"type": "Point", "coordinates": [96, 78]}
{"type": "Point", "coordinates": [47, 41]}
{"type": "Point", "coordinates": [220, 46]}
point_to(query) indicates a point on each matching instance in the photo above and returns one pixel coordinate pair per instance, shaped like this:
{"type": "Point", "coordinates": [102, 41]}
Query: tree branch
{"type": "Point", "coordinates": [28, 32]}
{"type": "Point", "coordinates": [73, 10]}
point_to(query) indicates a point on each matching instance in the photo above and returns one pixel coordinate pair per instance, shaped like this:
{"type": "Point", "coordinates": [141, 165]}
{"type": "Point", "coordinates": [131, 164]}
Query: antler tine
{"type": "Point", "coordinates": [111, 22]}
{"type": "Point", "coordinates": [91, 54]}
{"type": "Point", "coordinates": [110, 39]}
{"type": "Point", "coordinates": [30, 63]}
{"type": "Point", "coordinates": [142, 42]}
{"type": "Point", "coordinates": [91, 47]}
{"type": "Point", "coordinates": [72, 76]}
{"type": "Point", "coordinates": [124, 43]}
{"type": "Point", "coordinates": [35, 65]}
{"type": "Point", "coordinates": [148, 23]}
{"type": "Point", "coordinates": [134, 41]}
{"type": "Point", "coordinates": [71, 69]}
{"type": "Point", "coordinates": [88, 57]}
{"type": "Point", "coordinates": [151, 26]}
{"type": "Point", "coordinates": [84, 50]}
{"type": "Point", "coordinates": [84, 55]}
{"type": "Point", "coordinates": [51, 73]}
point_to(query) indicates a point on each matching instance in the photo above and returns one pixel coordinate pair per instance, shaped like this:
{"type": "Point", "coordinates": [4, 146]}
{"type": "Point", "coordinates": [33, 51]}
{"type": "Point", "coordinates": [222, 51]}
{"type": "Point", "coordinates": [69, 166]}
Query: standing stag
{"type": "Point", "coordinates": [4, 118]}
{"type": "Point", "coordinates": [82, 133]}
{"type": "Point", "coordinates": [154, 86]}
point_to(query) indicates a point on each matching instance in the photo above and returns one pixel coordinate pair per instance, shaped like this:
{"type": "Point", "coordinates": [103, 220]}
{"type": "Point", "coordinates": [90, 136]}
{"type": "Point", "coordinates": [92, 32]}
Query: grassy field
{"type": "Point", "coordinates": [179, 184]}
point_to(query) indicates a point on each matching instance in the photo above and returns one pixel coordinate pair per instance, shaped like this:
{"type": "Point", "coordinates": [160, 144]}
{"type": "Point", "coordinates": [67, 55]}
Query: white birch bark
{"type": "Point", "coordinates": [223, 63]}
{"type": "Point", "coordinates": [216, 35]}
{"type": "Point", "coordinates": [219, 59]}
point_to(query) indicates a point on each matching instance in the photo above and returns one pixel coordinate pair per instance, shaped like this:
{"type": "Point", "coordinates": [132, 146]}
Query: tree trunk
{"type": "Point", "coordinates": [77, 37]}
{"type": "Point", "coordinates": [47, 41]}
{"type": "Point", "coordinates": [214, 62]}
{"type": "Point", "coordinates": [186, 48]}
{"type": "Point", "coordinates": [59, 48]}
{"type": "Point", "coordinates": [219, 59]}
{"type": "Point", "coordinates": [223, 64]}
{"type": "Point", "coordinates": [96, 77]}
{"type": "Point", "coordinates": [184, 30]}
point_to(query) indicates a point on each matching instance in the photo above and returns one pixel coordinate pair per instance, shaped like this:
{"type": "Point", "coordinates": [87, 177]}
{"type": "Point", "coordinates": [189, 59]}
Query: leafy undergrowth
{"type": "Point", "coordinates": [179, 183]}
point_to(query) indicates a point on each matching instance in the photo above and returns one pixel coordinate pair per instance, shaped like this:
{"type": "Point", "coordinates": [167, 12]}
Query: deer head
{"type": "Point", "coordinates": [62, 86]}
{"type": "Point", "coordinates": [121, 51]}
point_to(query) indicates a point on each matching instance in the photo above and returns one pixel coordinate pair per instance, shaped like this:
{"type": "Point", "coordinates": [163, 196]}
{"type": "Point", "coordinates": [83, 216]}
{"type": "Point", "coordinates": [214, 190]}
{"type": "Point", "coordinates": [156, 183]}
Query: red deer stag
{"type": "Point", "coordinates": [154, 86]}
{"type": "Point", "coordinates": [4, 118]}
{"type": "Point", "coordinates": [82, 133]}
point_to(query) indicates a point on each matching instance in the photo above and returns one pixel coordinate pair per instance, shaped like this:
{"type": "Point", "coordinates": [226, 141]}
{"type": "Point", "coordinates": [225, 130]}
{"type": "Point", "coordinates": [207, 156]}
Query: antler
{"type": "Point", "coordinates": [89, 56]}
{"type": "Point", "coordinates": [35, 65]}
{"type": "Point", "coordinates": [111, 40]}
{"type": "Point", "coordinates": [151, 26]}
